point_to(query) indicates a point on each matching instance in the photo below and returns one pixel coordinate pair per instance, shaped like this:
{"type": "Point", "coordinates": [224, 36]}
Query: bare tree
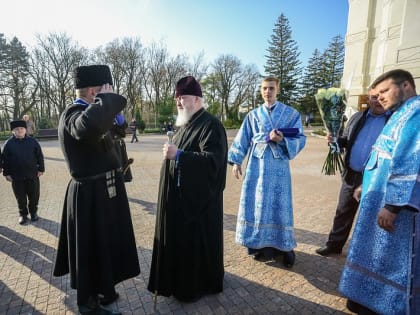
{"type": "Point", "coordinates": [226, 70]}
{"type": "Point", "coordinates": [248, 85]}
{"type": "Point", "coordinates": [111, 55]}
{"type": "Point", "coordinates": [54, 59]}
{"type": "Point", "coordinates": [133, 54]}
{"type": "Point", "coordinates": [198, 68]}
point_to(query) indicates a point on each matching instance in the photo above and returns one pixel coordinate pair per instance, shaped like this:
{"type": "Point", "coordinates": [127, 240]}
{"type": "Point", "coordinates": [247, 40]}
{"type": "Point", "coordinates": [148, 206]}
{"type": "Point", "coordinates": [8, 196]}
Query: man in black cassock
{"type": "Point", "coordinates": [96, 245]}
{"type": "Point", "coordinates": [187, 259]}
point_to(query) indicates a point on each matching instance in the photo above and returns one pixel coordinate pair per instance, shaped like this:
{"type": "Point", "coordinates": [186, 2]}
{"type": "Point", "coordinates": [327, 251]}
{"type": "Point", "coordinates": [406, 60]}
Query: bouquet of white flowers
{"type": "Point", "coordinates": [332, 104]}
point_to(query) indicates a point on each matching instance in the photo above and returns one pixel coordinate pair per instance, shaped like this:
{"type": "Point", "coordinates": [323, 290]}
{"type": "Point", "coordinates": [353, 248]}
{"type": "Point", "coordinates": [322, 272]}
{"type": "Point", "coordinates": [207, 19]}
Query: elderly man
{"type": "Point", "coordinates": [382, 271]}
{"type": "Point", "coordinates": [187, 257]}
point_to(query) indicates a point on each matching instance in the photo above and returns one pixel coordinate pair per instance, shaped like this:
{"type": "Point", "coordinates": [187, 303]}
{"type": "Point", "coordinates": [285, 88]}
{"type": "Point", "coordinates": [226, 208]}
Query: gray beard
{"type": "Point", "coordinates": [182, 118]}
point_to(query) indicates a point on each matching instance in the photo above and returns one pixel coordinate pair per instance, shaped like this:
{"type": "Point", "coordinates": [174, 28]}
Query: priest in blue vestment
{"type": "Point", "coordinates": [272, 135]}
{"type": "Point", "coordinates": [382, 271]}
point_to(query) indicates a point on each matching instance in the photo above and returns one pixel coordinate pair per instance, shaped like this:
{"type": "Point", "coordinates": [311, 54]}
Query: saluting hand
{"type": "Point", "coordinates": [107, 88]}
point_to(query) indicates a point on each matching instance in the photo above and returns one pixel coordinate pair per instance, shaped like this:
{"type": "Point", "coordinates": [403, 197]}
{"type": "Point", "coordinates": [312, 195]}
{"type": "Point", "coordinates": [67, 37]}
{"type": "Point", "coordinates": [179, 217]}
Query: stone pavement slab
{"type": "Point", "coordinates": [27, 253]}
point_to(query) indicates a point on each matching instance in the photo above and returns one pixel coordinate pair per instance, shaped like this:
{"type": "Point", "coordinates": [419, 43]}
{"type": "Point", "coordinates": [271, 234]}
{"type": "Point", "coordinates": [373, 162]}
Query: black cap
{"type": "Point", "coordinates": [94, 75]}
{"type": "Point", "coordinates": [17, 123]}
{"type": "Point", "coordinates": [188, 86]}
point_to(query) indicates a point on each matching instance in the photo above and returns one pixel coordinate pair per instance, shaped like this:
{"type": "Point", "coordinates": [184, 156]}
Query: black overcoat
{"type": "Point", "coordinates": [187, 259]}
{"type": "Point", "coordinates": [96, 244]}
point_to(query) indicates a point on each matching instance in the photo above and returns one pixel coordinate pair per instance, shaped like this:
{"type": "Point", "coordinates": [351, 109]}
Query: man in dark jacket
{"type": "Point", "coordinates": [96, 245]}
{"type": "Point", "coordinates": [187, 259]}
{"type": "Point", "coordinates": [358, 137]}
{"type": "Point", "coordinates": [133, 128]}
{"type": "Point", "coordinates": [23, 163]}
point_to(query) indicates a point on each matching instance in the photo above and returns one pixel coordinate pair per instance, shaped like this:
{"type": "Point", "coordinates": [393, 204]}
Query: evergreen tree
{"type": "Point", "coordinates": [15, 78]}
{"type": "Point", "coordinates": [312, 80]}
{"type": "Point", "coordinates": [334, 62]}
{"type": "Point", "coordinates": [283, 60]}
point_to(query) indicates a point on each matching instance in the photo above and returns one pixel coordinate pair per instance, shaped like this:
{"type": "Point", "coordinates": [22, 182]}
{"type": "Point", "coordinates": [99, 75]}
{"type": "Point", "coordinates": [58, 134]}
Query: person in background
{"type": "Point", "coordinates": [382, 270]}
{"type": "Point", "coordinates": [30, 125]}
{"type": "Point", "coordinates": [265, 217]}
{"type": "Point", "coordinates": [23, 164]}
{"type": "Point", "coordinates": [164, 127]}
{"type": "Point", "coordinates": [96, 243]}
{"type": "Point", "coordinates": [307, 119]}
{"type": "Point", "coordinates": [357, 139]}
{"type": "Point", "coordinates": [133, 128]}
{"type": "Point", "coordinates": [187, 260]}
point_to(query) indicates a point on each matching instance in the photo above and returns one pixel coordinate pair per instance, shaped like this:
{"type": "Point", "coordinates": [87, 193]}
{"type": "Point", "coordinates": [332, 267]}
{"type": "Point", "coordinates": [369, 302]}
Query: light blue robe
{"type": "Point", "coordinates": [382, 269]}
{"type": "Point", "coordinates": [265, 217]}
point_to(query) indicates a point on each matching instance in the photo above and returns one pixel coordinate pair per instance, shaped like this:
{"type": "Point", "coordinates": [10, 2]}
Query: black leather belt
{"type": "Point", "coordinates": [97, 176]}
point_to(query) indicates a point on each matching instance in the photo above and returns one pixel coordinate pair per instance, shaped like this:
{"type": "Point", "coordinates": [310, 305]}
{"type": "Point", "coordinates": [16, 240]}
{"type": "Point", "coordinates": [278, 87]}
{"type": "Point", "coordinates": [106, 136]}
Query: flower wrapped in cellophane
{"type": "Point", "coordinates": [332, 104]}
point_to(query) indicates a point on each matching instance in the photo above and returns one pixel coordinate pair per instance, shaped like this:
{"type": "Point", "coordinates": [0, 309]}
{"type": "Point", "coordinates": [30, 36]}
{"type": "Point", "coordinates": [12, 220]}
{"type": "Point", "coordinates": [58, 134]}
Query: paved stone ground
{"type": "Point", "coordinates": [27, 253]}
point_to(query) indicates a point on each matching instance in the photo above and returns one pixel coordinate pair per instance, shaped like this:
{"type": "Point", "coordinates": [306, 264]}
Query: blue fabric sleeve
{"type": "Point", "coordinates": [119, 119]}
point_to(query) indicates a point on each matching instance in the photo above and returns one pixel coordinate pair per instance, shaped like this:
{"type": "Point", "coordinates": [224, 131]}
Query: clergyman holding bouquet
{"type": "Point", "coordinates": [272, 134]}
{"type": "Point", "coordinates": [357, 139]}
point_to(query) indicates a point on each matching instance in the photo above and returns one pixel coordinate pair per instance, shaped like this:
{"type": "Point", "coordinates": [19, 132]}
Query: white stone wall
{"type": "Point", "coordinates": [381, 35]}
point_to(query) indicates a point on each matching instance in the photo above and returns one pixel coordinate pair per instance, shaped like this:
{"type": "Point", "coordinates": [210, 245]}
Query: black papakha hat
{"type": "Point", "coordinates": [188, 86]}
{"type": "Point", "coordinates": [94, 75]}
{"type": "Point", "coordinates": [17, 123]}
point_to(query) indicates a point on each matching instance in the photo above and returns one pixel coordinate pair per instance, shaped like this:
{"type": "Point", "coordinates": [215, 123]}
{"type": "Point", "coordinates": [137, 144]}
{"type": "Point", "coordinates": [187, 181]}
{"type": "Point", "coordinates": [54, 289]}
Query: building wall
{"type": "Point", "coordinates": [381, 35]}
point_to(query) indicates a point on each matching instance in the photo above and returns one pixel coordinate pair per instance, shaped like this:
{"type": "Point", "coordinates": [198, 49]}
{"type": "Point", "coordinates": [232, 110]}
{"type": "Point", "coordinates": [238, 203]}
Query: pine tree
{"type": "Point", "coordinates": [334, 62]}
{"type": "Point", "coordinates": [283, 60]}
{"type": "Point", "coordinates": [312, 80]}
{"type": "Point", "coordinates": [15, 77]}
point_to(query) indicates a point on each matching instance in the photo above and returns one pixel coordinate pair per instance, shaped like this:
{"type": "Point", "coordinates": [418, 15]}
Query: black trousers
{"type": "Point", "coordinates": [134, 137]}
{"type": "Point", "coordinates": [27, 195]}
{"type": "Point", "coordinates": [346, 210]}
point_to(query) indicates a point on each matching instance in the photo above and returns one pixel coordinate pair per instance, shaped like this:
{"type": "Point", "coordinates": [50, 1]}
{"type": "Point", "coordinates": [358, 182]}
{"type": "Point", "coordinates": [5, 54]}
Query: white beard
{"type": "Point", "coordinates": [182, 118]}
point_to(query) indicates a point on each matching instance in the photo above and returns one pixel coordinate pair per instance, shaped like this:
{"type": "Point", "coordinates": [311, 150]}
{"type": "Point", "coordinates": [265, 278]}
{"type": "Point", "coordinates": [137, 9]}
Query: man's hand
{"type": "Point", "coordinates": [9, 178]}
{"type": "Point", "coordinates": [386, 219]}
{"type": "Point", "coordinates": [106, 88]}
{"type": "Point", "coordinates": [357, 193]}
{"type": "Point", "coordinates": [169, 151]}
{"type": "Point", "coordinates": [40, 173]}
{"type": "Point", "coordinates": [329, 138]}
{"type": "Point", "coordinates": [236, 170]}
{"type": "Point", "coordinates": [276, 136]}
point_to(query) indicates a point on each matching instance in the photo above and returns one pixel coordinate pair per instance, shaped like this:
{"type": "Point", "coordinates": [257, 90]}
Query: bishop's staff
{"type": "Point", "coordinates": [162, 236]}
